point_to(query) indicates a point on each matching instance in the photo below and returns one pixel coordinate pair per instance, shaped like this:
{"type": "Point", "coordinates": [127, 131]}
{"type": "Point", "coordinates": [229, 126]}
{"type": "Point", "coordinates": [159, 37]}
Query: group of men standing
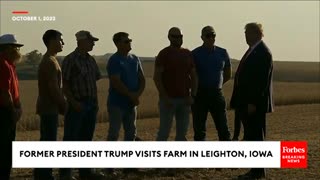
{"type": "Point", "coordinates": [186, 81]}
{"type": "Point", "coordinates": [76, 80]}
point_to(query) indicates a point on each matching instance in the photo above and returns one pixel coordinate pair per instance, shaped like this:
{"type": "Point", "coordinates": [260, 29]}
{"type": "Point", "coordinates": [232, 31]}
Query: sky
{"type": "Point", "coordinates": [291, 28]}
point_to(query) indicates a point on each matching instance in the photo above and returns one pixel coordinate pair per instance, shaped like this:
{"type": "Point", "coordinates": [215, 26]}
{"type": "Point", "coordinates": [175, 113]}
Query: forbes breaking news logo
{"type": "Point", "coordinates": [294, 154]}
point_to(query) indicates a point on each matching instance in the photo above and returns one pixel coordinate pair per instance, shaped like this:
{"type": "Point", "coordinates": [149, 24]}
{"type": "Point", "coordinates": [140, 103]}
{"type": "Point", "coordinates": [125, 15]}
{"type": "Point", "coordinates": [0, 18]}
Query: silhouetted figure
{"type": "Point", "coordinates": [51, 100]}
{"type": "Point", "coordinates": [213, 67]}
{"type": "Point", "coordinates": [127, 83]}
{"type": "Point", "coordinates": [80, 73]}
{"type": "Point", "coordinates": [176, 81]}
{"type": "Point", "coordinates": [10, 106]}
{"type": "Point", "coordinates": [252, 92]}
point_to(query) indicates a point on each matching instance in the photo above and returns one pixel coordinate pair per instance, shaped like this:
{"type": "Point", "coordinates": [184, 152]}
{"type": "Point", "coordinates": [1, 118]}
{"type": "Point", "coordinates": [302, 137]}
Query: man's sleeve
{"type": "Point", "coordinates": [140, 65]}
{"type": "Point", "coordinates": [227, 60]}
{"type": "Point", "coordinates": [262, 73]}
{"type": "Point", "coordinates": [5, 77]}
{"type": "Point", "coordinates": [113, 67]}
{"type": "Point", "coordinates": [160, 59]}
{"type": "Point", "coordinates": [51, 71]}
{"type": "Point", "coordinates": [194, 54]}
{"type": "Point", "coordinates": [66, 68]}
{"type": "Point", "coordinates": [191, 59]}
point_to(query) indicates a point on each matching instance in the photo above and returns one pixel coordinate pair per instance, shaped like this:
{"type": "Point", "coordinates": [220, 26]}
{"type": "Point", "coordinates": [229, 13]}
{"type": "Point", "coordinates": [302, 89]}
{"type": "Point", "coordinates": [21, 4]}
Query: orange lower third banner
{"type": "Point", "coordinates": [153, 154]}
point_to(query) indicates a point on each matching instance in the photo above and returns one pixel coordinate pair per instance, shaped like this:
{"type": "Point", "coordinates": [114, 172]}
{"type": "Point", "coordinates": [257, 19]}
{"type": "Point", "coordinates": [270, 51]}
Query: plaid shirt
{"type": "Point", "coordinates": [81, 72]}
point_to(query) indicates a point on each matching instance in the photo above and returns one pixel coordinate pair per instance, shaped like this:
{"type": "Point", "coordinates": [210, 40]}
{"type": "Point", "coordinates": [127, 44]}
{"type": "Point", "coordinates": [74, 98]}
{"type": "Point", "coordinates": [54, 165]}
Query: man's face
{"type": "Point", "coordinates": [252, 36]}
{"type": "Point", "coordinates": [209, 38]}
{"type": "Point", "coordinates": [13, 53]}
{"type": "Point", "coordinates": [124, 44]}
{"type": "Point", "coordinates": [175, 38]}
{"type": "Point", "coordinates": [57, 44]}
{"type": "Point", "coordinates": [87, 44]}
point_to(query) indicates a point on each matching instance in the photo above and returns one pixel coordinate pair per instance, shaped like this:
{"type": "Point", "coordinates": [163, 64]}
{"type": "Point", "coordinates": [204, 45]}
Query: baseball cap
{"type": "Point", "coordinates": [85, 35]}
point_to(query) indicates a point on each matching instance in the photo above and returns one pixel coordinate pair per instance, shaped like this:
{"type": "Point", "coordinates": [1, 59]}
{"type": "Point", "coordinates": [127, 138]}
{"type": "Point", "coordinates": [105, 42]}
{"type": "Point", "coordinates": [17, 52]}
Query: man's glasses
{"type": "Point", "coordinates": [17, 48]}
{"type": "Point", "coordinates": [176, 36]}
{"type": "Point", "coordinates": [127, 41]}
{"type": "Point", "coordinates": [210, 35]}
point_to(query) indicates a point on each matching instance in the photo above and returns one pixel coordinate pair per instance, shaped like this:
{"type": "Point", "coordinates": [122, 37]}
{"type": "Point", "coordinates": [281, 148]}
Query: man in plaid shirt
{"type": "Point", "coordinates": [80, 73]}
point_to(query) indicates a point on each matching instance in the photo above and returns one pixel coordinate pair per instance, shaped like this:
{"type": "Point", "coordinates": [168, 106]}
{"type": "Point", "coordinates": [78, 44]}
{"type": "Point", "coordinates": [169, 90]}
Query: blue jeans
{"type": "Point", "coordinates": [127, 117]}
{"type": "Point", "coordinates": [80, 126]}
{"type": "Point", "coordinates": [213, 101]}
{"type": "Point", "coordinates": [180, 110]}
{"type": "Point", "coordinates": [48, 132]}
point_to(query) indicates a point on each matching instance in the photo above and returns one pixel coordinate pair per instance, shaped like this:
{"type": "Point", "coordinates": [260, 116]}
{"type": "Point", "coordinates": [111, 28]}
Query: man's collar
{"type": "Point", "coordinates": [206, 48]}
{"type": "Point", "coordinates": [255, 45]}
{"type": "Point", "coordinates": [80, 53]}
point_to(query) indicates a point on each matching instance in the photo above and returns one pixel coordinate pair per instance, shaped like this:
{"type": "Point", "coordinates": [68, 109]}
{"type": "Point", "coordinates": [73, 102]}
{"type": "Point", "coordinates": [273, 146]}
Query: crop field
{"type": "Point", "coordinates": [296, 117]}
{"type": "Point", "coordinates": [285, 93]}
{"type": "Point", "coordinates": [289, 123]}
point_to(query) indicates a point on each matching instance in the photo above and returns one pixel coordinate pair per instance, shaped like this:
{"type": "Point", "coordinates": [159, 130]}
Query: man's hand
{"type": "Point", "coordinates": [251, 109]}
{"type": "Point", "coordinates": [19, 113]}
{"type": "Point", "coordinates": [16, 116]}
{"type": "Point", "coordinates": [77, 106]}
{"type": "Point", "coordinates": [189, 100]}
{"type": "Point", "coordinates": [134, 98]}
{"type": "Point", "coordinates": [63, 108]}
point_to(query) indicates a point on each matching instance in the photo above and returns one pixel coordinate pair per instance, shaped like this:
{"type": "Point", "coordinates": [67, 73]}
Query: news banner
{"type": "Point", "coordinates": [153, 154]}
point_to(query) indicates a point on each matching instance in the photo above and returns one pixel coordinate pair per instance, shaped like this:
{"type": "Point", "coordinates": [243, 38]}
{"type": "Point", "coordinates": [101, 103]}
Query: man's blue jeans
{"type": "Point", "coordinates": [178, 109]}
{"type": "Point", "coordinates": [48, 132]}
{"type": "Point", "coordinates": [213, 101]}
{"type": "Point", "coordinates": [80, 126]}
{"type": "Point", "coordinates": [125, 116]}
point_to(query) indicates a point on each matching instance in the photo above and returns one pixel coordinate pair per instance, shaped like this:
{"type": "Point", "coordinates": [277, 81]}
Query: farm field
{"type": "Point", "coordinates": [285, 93]}
{"type": "Point", "coordinates": [296, 118]}
{"type": "Point", "coordinates": [289, 123]}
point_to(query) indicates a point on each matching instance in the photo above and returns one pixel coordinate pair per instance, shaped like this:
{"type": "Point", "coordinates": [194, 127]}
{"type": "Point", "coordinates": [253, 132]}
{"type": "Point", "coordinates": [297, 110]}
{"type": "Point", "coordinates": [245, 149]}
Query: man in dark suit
{"type": "Point", "coordinates": [252, 93]}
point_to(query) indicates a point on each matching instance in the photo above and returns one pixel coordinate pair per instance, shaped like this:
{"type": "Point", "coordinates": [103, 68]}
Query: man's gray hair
{"type": "Point", "coordinates": [257, 27]}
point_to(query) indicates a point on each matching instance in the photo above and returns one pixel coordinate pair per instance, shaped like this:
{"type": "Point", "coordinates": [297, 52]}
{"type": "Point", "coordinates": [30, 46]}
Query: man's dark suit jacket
{"type": "Point", "coordinates": [253, 82]}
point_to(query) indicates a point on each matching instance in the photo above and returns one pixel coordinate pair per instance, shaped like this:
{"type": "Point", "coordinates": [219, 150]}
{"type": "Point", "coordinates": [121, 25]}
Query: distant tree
{"type": "Point", "coordinates": [33, 58]}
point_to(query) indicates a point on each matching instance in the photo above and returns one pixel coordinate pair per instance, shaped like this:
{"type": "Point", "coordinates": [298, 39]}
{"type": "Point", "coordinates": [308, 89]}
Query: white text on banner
{"type": "Point", "coordinates": [149, 154]}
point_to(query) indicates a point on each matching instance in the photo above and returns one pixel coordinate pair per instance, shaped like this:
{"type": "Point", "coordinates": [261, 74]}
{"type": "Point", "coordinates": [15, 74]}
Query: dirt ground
{"type": "Point", "coordinates": [295, 122]}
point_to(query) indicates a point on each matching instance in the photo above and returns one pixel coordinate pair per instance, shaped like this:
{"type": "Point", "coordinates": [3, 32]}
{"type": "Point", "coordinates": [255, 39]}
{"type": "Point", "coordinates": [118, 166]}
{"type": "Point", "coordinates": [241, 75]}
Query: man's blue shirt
{"type": "Point", "coordinates": [210, 65]}
{"type": "Point", "coordinates": [128, 68]}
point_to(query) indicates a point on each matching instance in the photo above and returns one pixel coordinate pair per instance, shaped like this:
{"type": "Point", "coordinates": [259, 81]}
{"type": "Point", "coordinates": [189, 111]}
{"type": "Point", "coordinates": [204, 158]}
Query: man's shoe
{"type": "Point", "coordinates": [251, 176]}
{"type": "Point", "coordinates": [93, 176]}
{"type": "Point", "coordinates": [171, 172]}
{"type": "Point", "coordinates": [245, 176]}
{"type": "Point", "coordinates": [110, 172]}
{"type": "Point", "coordinates": [68, 178]}
{"type": "Point", "coordinates": [130, 170]}
{"type": "Point", "coordinates": [259, 176]}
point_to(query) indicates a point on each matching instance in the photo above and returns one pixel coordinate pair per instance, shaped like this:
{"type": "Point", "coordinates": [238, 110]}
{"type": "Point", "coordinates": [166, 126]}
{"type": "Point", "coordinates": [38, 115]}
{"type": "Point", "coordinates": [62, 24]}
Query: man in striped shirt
{"type": "Point", "coordinates": [80, 73]}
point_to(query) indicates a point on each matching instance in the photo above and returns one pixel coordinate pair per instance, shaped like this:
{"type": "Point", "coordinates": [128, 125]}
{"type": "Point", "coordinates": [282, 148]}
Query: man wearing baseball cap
{"type": "Point", "coordinates": [10, 106]}
{"type": "Point", "coordinates": [81, 35]}
{"type": "Point", "coordinates": [80, 73]}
